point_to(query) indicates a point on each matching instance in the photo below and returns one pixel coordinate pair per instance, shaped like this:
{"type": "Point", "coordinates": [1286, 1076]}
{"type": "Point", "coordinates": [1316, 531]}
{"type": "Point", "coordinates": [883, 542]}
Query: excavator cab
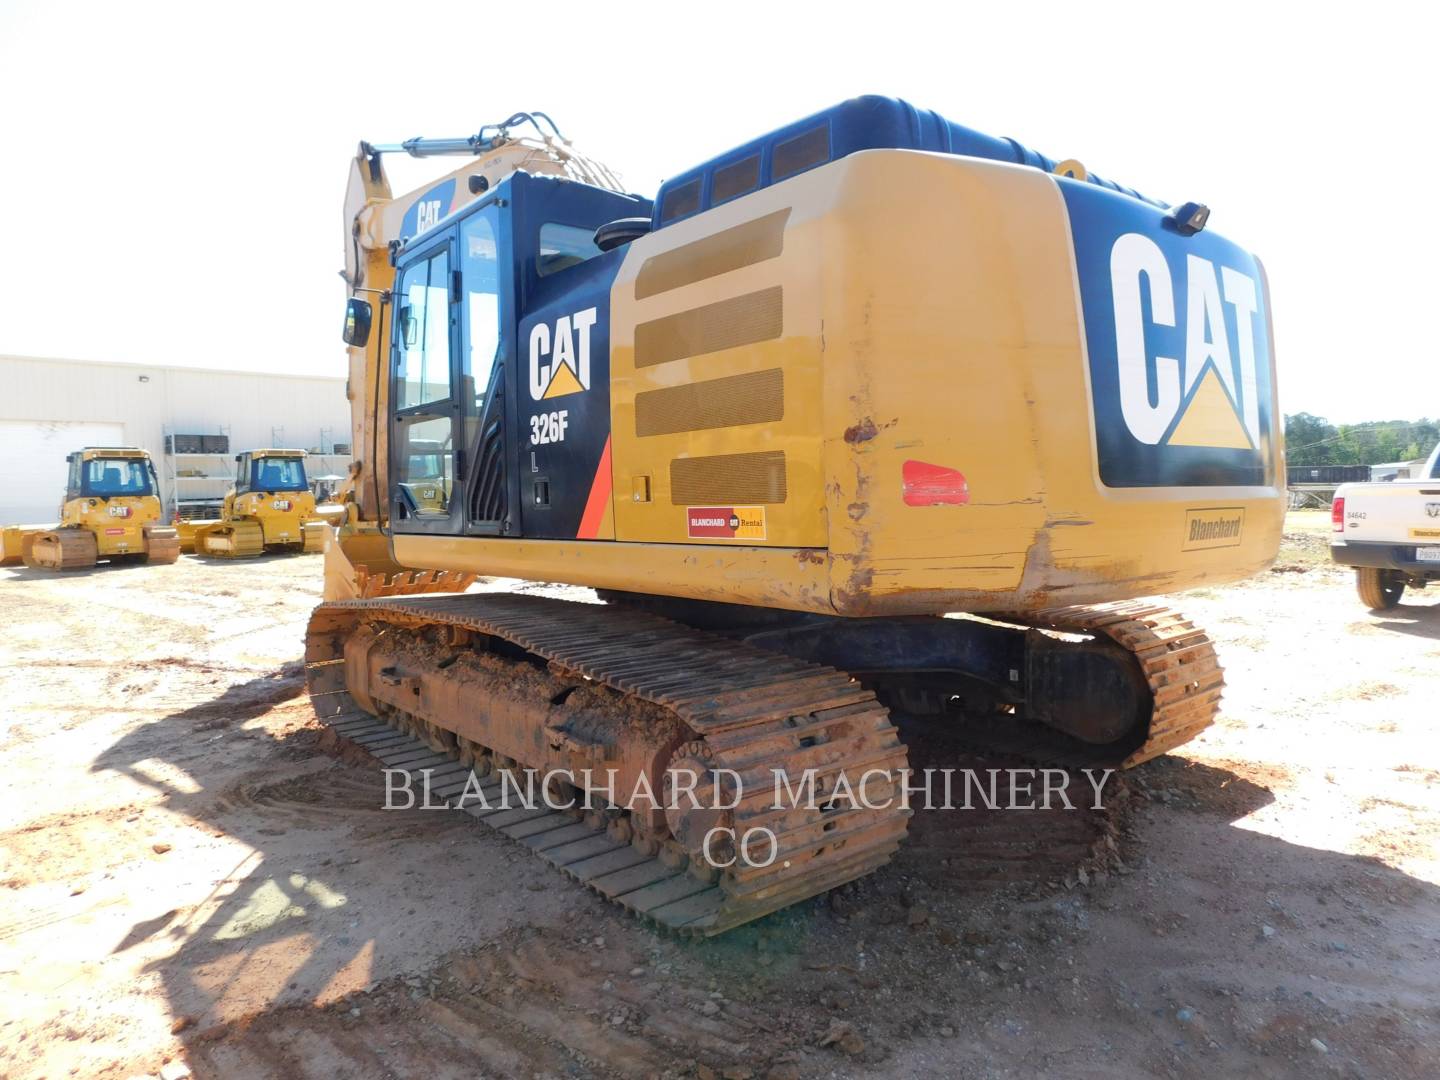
{"type": "Point", "coordinates": [499, 389]}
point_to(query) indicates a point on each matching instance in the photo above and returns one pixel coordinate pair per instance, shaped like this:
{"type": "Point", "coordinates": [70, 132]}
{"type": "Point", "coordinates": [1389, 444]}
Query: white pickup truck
{"type": "Point", "coordinates": [1390, 533]}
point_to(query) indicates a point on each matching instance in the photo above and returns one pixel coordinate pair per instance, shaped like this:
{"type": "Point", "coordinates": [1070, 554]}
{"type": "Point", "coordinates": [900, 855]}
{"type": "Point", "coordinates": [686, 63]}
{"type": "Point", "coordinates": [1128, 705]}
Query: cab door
{"type": "Point", "coordinates": [426, 460]}
{"type": "Point", "coordinates": [487, 403]}
{"type": "Point", "coordinates": [242, 474]}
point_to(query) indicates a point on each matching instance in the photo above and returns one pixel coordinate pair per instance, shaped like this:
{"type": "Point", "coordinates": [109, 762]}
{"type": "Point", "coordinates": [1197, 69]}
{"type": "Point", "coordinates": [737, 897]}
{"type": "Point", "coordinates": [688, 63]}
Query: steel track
{"type": "Point", "coordinates": [759, 714]}
{"type": "Point", "coordinates": [1177, 659]}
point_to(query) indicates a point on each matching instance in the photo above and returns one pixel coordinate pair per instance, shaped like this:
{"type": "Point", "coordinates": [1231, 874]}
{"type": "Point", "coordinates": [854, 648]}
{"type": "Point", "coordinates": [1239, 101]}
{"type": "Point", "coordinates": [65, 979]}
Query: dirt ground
{"type": "Point", "coordinates": [190, 884]}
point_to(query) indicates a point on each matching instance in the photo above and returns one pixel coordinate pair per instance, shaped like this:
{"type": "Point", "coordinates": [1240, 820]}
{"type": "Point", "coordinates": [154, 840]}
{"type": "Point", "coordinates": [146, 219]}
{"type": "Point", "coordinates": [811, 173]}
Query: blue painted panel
{"type": "Point", "coordinates": [869, 123]}
{"type": "Point", "coordinates": [562, 348]}
{"type": "Point", "coordinates": [1178, 344]}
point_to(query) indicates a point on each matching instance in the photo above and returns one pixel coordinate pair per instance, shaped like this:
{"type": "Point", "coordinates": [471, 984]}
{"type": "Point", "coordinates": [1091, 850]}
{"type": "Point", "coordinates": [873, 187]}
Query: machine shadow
{"type": "Point", "coordinates": [298, 921]}
{"type": "Point", "coordinates": [248, 560]}
{"type": "Point", "coordinates": [1416, 620]}
{"type": "Point", "coordinates": [294, 918]}
{"type": "Point", "coordinates": [25, 573]}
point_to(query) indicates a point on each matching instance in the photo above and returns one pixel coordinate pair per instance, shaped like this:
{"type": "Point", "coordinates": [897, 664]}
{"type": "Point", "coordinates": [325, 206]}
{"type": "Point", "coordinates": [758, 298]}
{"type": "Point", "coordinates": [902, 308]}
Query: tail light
{"type": "Point", "coordinates": [1337, 515]}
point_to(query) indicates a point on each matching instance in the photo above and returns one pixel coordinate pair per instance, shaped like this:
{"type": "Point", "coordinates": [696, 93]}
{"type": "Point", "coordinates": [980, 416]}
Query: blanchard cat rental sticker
{"type": "Point", "coordinates": [725, 522]}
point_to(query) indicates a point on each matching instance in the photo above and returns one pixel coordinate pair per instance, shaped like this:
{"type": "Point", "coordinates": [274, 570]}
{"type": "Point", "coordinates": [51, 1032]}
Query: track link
{"type": "Point", "coordinates": [162, 544]}
{"type": "Point", "coordinates": [1177, 659]}
{"type": "Point", "coordinates": [238, 539]}
{"type": "Point", "coordinates": [761, 715]}
{"type": "Point", "coordinates": [61, 549]}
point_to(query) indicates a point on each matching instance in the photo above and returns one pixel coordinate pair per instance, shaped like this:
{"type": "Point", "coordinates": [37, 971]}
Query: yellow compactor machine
{"type": "Point", "coordinates": [798, 420]}
{"type": "Point", "coordinates": [111, 513]}
{"type": "Point", "coordinates": [270, 508]}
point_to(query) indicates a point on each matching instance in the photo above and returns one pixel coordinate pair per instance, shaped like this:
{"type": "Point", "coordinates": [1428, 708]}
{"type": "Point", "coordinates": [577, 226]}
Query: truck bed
{"type": "Point", "coordinates": [1391, 526]}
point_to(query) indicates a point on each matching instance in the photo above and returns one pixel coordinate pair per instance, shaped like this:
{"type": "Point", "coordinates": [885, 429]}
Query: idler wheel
{"type": "Point", "coordinates": [696, 803]}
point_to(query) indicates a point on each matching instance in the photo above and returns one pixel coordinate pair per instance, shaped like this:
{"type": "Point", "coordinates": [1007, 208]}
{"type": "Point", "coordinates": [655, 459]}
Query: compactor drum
{"type": "Point", "coordinates": [270, 508]}
{"type": "Point", "coordinates": [873, 412]}
{"type": "Point", "coordinates": [111, 513]}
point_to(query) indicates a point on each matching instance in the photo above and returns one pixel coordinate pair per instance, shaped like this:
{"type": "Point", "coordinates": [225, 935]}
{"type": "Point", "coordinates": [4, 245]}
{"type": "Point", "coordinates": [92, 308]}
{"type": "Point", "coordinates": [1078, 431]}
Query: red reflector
{"type": "Point", "coordinates": [1337, 515]}
{"type": "Point", "coordinates": [933, 485]}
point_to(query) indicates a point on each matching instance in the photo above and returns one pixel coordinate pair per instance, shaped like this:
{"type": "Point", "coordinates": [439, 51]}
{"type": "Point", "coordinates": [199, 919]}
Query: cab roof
{"type": "Point", "coordinates": [871, 122]}
{"type": "Point", "coordinates": [88, 452]}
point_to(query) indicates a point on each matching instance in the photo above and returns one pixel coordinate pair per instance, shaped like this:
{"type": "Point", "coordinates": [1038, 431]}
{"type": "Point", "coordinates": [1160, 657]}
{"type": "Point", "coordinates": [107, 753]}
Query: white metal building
{"type": "Point", "coordinates": [50, 407]}
{"type": "Point", "coordinates": [1398, 470]}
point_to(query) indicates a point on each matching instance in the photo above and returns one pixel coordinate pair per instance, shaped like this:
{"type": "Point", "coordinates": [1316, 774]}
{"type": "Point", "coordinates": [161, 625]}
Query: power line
{"type": "Point", "coordinates": [1358, 430]}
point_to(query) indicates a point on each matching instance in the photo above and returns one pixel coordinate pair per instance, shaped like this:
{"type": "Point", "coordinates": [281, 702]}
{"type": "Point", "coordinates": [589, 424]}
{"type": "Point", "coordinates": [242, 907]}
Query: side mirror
{"type": "Point", "coordinates": [357, 322]}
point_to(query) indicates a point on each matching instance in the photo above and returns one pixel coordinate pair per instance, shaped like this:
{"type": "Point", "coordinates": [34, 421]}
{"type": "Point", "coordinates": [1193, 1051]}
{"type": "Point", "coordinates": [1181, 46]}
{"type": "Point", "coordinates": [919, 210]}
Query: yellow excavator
{"type": "Point", "coordinates": [111, 513]}
{"type": "Point", "coordinates": [872, 412]}
{"type": "Point", "coordinates": [270, 508]}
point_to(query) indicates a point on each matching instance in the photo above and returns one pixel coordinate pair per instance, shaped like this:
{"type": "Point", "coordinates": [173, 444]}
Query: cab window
{"type": "Point", "coordinates": [425, 467]}
{"type": "Point", "coordinates": [423, 320]}
{"type": "Point", "coordinates": [478, 252]}
{"type": "Point", "coordinates": [427, 478]}
{"type": "Point", "coordinates": [115, 476]}
{"type": "Point", "coordinates": [277, 474]}
{"type": "Point", "coordinates": [563, 246]}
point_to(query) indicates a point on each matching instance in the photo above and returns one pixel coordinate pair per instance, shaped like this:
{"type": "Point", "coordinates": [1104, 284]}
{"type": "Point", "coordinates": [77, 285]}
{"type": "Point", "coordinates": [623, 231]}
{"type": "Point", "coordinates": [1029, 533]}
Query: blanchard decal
{"type": "Point", "coordinates": [1179, 351]}
{"type": "Point", "coordinates": [560, 356]}
{"type": "Point", "coordinates": [1214, 528]}
{"type": "Point", "coordinates": [725, 522]}
{"type": "Point", "coordinates": [1425, 534]}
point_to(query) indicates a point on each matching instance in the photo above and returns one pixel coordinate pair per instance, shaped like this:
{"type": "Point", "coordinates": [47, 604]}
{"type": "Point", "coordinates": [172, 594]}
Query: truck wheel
{"type": "Point", "coordinates": [1380, 590]}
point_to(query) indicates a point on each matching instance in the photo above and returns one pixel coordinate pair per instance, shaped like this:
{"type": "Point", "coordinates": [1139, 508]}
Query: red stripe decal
{"type": "Point", "coordinates": [599, 497]}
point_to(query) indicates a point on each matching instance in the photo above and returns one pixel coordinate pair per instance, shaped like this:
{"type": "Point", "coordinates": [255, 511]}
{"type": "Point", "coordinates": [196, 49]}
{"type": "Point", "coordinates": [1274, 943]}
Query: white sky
{"type": "Point", "coordinates": [171, 176]}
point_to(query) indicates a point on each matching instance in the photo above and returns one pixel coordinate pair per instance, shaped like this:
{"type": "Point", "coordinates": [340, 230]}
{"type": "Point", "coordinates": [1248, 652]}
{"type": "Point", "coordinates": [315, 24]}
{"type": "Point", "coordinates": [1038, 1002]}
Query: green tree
{"type": "Point", "coordinates": [1313, 440]}
{"type": "Point", "coordinates": [1308, 439]}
